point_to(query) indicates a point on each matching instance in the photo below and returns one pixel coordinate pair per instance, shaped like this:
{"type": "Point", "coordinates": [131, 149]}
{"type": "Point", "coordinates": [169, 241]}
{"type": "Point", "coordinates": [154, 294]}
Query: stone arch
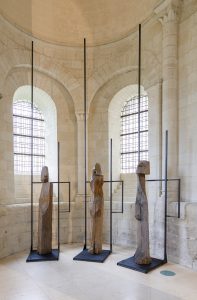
{"type": "Point", "coordinates": [98, 121]}
{"type": "Point", "coordinates": [66, 119]}
{"type": "Point", "coordinates": [18, 59]}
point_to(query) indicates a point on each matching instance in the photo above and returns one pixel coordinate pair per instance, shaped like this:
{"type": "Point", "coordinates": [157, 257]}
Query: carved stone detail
{"type": "Point", "coordinates": [168, 11]}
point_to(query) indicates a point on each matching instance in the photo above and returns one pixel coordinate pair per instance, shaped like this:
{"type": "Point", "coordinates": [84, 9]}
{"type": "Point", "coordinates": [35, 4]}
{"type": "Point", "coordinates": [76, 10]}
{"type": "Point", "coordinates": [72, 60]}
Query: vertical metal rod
{"type": "Point", "coordinates": [58, 193]}
{"type": "Point", "coordinates": [139, 90]}
{"type": "Point", "coordinates": [122, 197]}
{"type": "Point", "coordinates": [69, 197]}
{"type": "Point", "coordinates": [179, 198]}
{"type": "Point", "coordinates": [110, 195]}
{"type": "Point", "coordinates": [161, 139]}
{"type": "Point", "coordinates": [32, 101]}
{"type": "Point", "coordinates": [85, 149]}
{"type": "Point", "coordinates": [166, 198]}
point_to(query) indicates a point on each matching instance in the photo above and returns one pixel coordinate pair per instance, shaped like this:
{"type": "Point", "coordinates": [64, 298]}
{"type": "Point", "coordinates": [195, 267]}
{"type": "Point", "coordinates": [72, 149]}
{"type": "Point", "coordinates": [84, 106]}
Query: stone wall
{"type": "Point", "coordinates": [169, 62]}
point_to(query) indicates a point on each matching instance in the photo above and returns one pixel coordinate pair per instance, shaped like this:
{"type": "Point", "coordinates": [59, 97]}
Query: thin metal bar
{"type": "Point", "coordinates": [107, 181]}
{"type": "Point", "coordinates": [172, 179]}
{"type": "Point", "coordinates": [58, 193]}
{"type": "Point", "coordinates": [28, 154]}
{"type": "Point", "coordinates": [30, 136]}
{"type": "Point", "coordinates": [166, 198]}
{"type": "Point", "coordinates": [135, 132]}
{"type": "Point", "coordinates": [32, 100]}
{"type": "Point", "coordinates": [132, 152]}
{"type": "Point", "coordinates": [30, 118]}
{"type": "Point", "coordinates": [85, 149]}
{"type": "Point", "coordinates": [135, 113]}
{"type": "Point", "coordinates": [179, 192]}
{"type": "Point", "coordinates": [160, 135]}
{"type": "Point", "coordinates": [110, 195]}
{"type": "Point", "coordinates": [122, 201]}
{"type": "Point", "coordinates": [179, 199]}
{"type": "Point", "coordinates": [53, 182]}
{"type": "Point", "coordinates": [139, 90]}
{"type": "Point", "coordinates": [69, 205]}
{"type": "Point", "coordinates": [122, 197]}
{"type": "Point", "coordinates": [69, 191]}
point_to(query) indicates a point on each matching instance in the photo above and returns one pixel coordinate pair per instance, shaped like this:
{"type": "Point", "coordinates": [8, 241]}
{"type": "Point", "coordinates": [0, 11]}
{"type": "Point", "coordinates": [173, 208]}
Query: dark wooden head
{"type": "Point", "coordinates": [45, 174]}
{"type": "Point", "coordinates": [143, 167]}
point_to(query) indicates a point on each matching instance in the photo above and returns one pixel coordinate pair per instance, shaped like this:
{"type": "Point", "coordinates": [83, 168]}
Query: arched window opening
{"type": "Point", "coordinates": [129, 133]}
{"type": "Point", "coordinates": [22, 130]}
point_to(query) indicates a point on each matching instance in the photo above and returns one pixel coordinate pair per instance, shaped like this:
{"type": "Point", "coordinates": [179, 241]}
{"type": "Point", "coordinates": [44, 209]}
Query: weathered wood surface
{"type": "Point", "coordinates": [45, 214]}
{"type": "Point", "coordinates": [96, 210]}
{"type": "Point", "coordinates": [142, 254]}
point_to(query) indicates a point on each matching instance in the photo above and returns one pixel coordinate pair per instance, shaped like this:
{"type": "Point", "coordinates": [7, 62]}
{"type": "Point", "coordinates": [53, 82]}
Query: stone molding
{"type": "Point", "coordinates": [80, 115]}
{"type": "Point", "coordinates": [168, 11]}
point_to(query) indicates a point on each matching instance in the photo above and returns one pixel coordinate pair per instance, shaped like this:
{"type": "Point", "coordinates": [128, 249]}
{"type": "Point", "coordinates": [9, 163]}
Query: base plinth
{"type": "Point", "coordinates": [34, 256]}
{"type": "Point", "coordinates": [130, 264]}
{"type": "Point", "coordinates": [86, 256]}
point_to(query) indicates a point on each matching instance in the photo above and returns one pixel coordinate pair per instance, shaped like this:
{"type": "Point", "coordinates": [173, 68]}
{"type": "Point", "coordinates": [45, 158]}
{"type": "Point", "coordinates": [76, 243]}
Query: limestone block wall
{"type": "Point", "coordinates": [58, 71]}
{"type": "Point", "coordinates": [188, 107]}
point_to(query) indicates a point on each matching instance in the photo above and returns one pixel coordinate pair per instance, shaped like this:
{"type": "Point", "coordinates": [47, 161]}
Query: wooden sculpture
{"type": "Point", "coordinates": [142, 254]}
{"type": "Point", "coordinates": [45, 214]}
{"type": "Point", "coordinates": [96, 210]}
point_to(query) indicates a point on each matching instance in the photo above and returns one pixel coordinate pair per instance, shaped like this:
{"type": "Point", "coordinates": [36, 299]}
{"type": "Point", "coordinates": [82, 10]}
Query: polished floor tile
{"type": "Point", "coordinates": [76, 280]}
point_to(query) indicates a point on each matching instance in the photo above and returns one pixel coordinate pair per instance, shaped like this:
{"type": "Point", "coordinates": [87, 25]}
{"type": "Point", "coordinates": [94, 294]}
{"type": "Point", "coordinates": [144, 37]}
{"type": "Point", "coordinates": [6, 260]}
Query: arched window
{"type": "Point", "coordinates": [22, 122]}
{"type": "Point", "coordinates": [129, 133]}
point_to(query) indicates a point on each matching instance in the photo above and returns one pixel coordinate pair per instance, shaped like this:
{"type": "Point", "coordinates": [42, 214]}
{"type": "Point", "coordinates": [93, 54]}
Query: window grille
{"type": "Point", "coordinates": [129, 133]}
{"type": "Point", "coordinates": [22, 129]}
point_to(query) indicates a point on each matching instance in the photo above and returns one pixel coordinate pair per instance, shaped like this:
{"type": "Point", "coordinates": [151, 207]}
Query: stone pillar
{"type": "Point", "coordinates": [168, 12]}
{"type": "Point", "coordinates": [80, 153]}
{"type": "Point", "coordinates": [155, 128]}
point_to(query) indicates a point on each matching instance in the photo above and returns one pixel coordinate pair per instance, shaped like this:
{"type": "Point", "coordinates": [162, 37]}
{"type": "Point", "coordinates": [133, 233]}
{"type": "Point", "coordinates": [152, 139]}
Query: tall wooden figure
{"type": "Point", "coordinates": [96, 210]}
{"type": "Point", "coordinates": [45, 214]}
{"type": "Point", "coordinates": [142, 254]}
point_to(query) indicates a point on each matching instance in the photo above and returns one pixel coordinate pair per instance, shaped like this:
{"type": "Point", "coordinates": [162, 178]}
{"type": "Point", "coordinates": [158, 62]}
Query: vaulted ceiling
{"type": "Point", "coordinates": [69, 21]}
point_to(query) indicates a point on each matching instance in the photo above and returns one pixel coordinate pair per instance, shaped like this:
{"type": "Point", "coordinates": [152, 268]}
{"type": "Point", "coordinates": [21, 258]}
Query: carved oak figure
{"type": "Point", "coordinates": [96, 210]}
{"type": "Point", "coordinates": [142, 254]}
{"type": "Point", "coordinates": [45, 214]}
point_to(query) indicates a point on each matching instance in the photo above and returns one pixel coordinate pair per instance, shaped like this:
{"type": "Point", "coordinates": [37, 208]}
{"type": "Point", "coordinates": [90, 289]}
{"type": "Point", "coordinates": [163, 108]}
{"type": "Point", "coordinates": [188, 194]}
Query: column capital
{"type": "Point", "coordinates": [80, 116]}
{"type": "Point", "coordinates": [168, 11]}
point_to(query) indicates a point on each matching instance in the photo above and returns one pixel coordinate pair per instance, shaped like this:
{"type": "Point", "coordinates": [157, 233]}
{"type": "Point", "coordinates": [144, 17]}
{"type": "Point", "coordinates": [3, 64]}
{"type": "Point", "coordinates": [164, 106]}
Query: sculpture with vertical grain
{"type": "Point", "coordinates": [96, 210]}
{"type": "Point", "coordinates": [45, 214]}
{"type": "Point", "coordinates": [142, 254]}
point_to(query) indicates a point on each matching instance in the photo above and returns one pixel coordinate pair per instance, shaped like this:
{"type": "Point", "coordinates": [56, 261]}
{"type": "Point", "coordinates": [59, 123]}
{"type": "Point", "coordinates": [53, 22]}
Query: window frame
{"type": "Point", "coordinates": [126, 131]}
{"type": "Point", "coordinates": [22, 122]}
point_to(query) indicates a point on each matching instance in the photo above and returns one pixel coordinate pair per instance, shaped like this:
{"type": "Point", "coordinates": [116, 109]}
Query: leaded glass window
{"type": "Point", "coordinates": [129, 133]}
{"type": "Point", "coordinates": [22, 128]}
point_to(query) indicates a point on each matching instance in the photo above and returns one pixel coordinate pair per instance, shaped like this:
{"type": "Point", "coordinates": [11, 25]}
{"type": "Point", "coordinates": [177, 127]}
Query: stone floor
{"type": "Point", "coordinates": [73, 280]}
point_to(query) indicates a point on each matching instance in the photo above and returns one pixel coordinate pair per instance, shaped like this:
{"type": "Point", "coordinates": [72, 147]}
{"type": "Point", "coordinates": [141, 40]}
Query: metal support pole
{"type": "Point", "coordinates": [32, 101]}
{"type": "Point", "coordinates": [166, 198]}
{"type": "Point", "coordinates": [110, 195]}
{"type": "Point", "coordinates": [122, 197]}
{"type": "Point", "coordinates": [58, 193]}
{"type": "Point", "coordinates": [160, 136]}
{"type": "Point", "coordinates": [139, 90]}
{"type": "Point", "coordinates": [85, 149]}
{"type": "Point", "coordinates": [179, 198]}
{"type": "Point", "coordinates": [69, 204]}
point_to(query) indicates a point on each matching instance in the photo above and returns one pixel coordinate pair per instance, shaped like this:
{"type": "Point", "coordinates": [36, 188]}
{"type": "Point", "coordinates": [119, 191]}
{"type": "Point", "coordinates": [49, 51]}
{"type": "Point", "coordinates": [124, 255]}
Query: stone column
{"type": "Point", "coordinates": [80, 153]}
{"type": "Point", "coordinates": [168, 12]}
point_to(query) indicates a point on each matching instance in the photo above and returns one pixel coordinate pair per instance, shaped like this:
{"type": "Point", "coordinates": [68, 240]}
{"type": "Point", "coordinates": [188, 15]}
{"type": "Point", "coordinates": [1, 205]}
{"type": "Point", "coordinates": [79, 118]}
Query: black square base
{"type": "Point", "coordinates": [86, 256]}
{"type": "Point", "coordinates": [130, 264]}
{"type": "Point", "coordinates": [34, 256]}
